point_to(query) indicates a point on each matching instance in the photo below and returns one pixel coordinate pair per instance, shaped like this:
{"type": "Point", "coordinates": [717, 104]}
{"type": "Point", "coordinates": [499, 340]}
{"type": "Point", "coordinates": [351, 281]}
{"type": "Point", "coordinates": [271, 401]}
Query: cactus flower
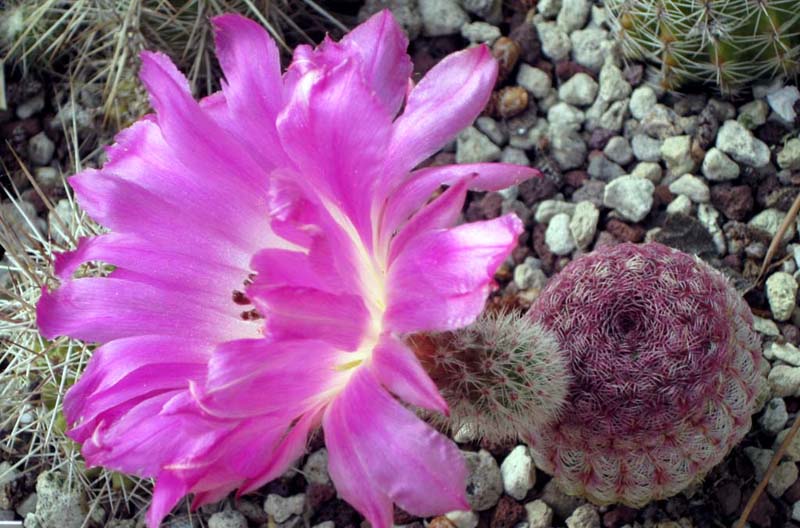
{"type": "Point", "coordinates": [665, 373]}
{"type": "Point", "coordinates": [271, 244]}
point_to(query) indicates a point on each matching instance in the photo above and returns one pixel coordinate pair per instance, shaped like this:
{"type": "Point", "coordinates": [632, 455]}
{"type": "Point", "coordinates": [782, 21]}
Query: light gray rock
{"type": "Point", "coordinates": [692, 187]}
{"type": "Point", "coordinates": [601, 168]}
{"type": "Point", "coordinates": [775, 416]}
{"type": "Point", "coordinates": [753, 114]}
{"type": "Point", "coordinates": [769, 221]}
{"type": "Point", "coordinates": [526, 275]}
{"type": "Point", "coordinates": [463, 519]}
{"type": "Point", "coordinates": [406, 12]}
{"type": "Point", "coordinates": [562, 504]}
{"type": "Point", "coordinates": [518, 472]}
{"type": "Point", "coordinates": [558, 236]}
{"type": "Point", "coordinates": [709, 217]}
{"type": "Point", "coordinates": [484, 482]}
{"type": "Point", "coordinates": [515, 156]}
{"type": "Point", "coordinates": [789, 156]}
{"type": "Point", "coordinates": [474, 147]}
{"type": "Point", "coordinates": [784, 476]}
{"type": "Point", "coordinates": [643, 100]}
{"type": "Point", "coordinates": [784, 381]}
{"type": "Point", "coordinates": [792, 450]}
{"type": "Point", "coordinates": [782, 102]}
{"type": "Point", "coordinates": [442, 17]}
{"type": "Point", "coordinates": [590, 47]}
{"type": "Point", "coordinates": [680, 205]}
{"type": "Point", "coordinates": [556, 44]}
{"type": "Point", "coordinates": [227, 519]}
{"type": "Point", "coordinates": [7, 476]}
{"type": "Point", "coordinates": [659, 122]}
{"type": "Point", "coordinates": [565, 116]}
{"type": "Point", "coordinates": [796, 511]}
{"type": "Point", "coordinates": [539, 514]}
{"type": "Point", "coordinates": [573, 14]}
{"type": "Point", "coordinates": [630, 196]}
{"type": "Point", "coordinates": [480, 32]}
{"type": "Point", "coordinates": [567, 147]}
{"type": "Point", "coordinates": [619, 150]}
{"type": "Point", "coordinates": [494, 130]}
{"type": "Point", "coordinates": [30, 107]}
{"type": "Point", "coordinates": [740, 144]}
{"type": "Point", "coordinates": [579, 90]}
{"type": "Point", "coordinates": [486, 9]}
{"type": "Point", "coordinates": [614, 118]}
{"type": "Point", "coordinates": [717, 166]}
{"type": "Point", "coordinates": [583, 224]}
{"type": "Point", "coordinates": [536, 81]}
{"type": "Point", "coordinates": [781, 289]}
{"type": "Point", "coordinates": [646, 148]}
{"type": "Point", "coordinates": [786, 352]}
{"type": "Point", "coordinates": [766, 327]}
{"type": "Point", "coordinates": [547, 209]}
{"type": "Point", "coordinates": [56, 505]}
{"type": "Point", "coordinates": [316, 467]}
{"type": "Point", "coordinates": [613, 86]}
{"type": "Point", "coordinates": [281, 508]}
{"type": "Point", "coordinates": [647, 170]}
{"type": "Point", "coordinates": [677, 154]}
{"type": "Point", "coordinates": [549, 8]}
{"type": "Point", "coordinates": [585, 516]}
{"type": "Point", "coordinates": [41, 149]}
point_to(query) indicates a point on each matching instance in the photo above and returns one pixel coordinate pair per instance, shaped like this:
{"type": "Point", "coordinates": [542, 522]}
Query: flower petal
{"type": "Point", "coordinates": [441, 280]}
{"type": "Point", "coordinates": [380, 452]}
{"type": "Point", "coordinates": [166, 494]}
{"type": "Point", "coordinates": [399, 370]}
{"type": "Point", "coordinates": [447, 100]}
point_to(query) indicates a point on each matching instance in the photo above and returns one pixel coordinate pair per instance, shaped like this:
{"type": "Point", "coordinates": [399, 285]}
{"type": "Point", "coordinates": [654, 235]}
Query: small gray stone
{"type": "Point", "coordinates": [643, 100]}
{"type": "Point", "coordinates": [495, 131]}
{"type": "Point", "coordinates": [766, 327]}
{"type": "Point", "coordinates": [769, 221]}
{"type": "Point", "coordinates": [789, 156]}
{"type": "Point", "coordinates": [558, 236]}
{"type": "Point", "coordinates": [677, 154]}
{"type": "Point", "coordinates": [480, 32]}
{"type": "Point", "coordinates": [7, 476]}
{"type": "Point", "coordinates": [442, 17]}
{"type": "Point", "coordinates": [680, 205]}
{"type": "Point", "coordinates": [753, 114]}
{"type": "Point", "coordinates": [526, 276]}
{"type": "Point", "coordinates": [463, 519]}
{"type": "Point", "coordinates": [781, 291]}
{"type": "Point", "coordinates": [485, 482]}
{"type": "Point", "coordinates": [549, 8]}
{"type": "Point", "coordinates": [630, 196]}
{"type": "Point", "coordinates": [601, 168]}
{"type": "Point", "coordinates": [647, 170]}
{"type": "Point", "coordinates": [717, 166]}
{"type": "Point", "coordinates": [784, 381]}
{"type": "Point", "coordinates": [536, 81]}
{"type": "Point", "coordinates": [590, 47]}
{"type": "Point", "coordinates": [562, 504]}
{"type": "Point", "coordinates": [30, 107]}
{"type": "Point", "coordinates": [796, 511]}
{"type": "Point", "coordinates": [547, 209]}
{"type": "Point", "coordinates": [564, 115]}
{"type": "Point", "coordinates": [583, 224]}
{"type": "Point", "coordinates": [518, 472]}
{"type": "Point", "coordinates": [515, 156]}
{"type": "Point", "coordinates": [474, 147]}
{"type": "Point", "coordinates": [227, 519]}
{"type": "Point", "coordinates": [579, 90]}
{"type": "Point", "coordinates": [316, 467]}
{"type": "Point", "coordinates": [406, 12]}
{"type": "Point", "coordinates": [573, 14]}
{"type": "Point", "coordinates": [739, 143]}
{"type": "Point", "coordinates": [709, 218]}
{"type": "Point", "coordinates": [585, 516]}
{"type": "Point", "coordinates": [567, 148]}
{"type": "Point", "coordinates": [613, 86]}
{"type": "Point", "coordinates": [646, 148]}
{"type": "Point", "coordinates": [486, 9]}
{"type": "Point", "coordinates": [692, 187]}
{"type": "Point", "coordinates": [555, 41]}
{"type": "Point", "coordinates": [786, 352]}
{"type": "Point", "coordinates": [540, 515]}
{"type": "Point", "coordinates": [619, 150]}
{"type": "Point", "coordinates": [792, 450]}
{"type": "Point", "coordinates": [56, 505]}
{"type": "Point", "coordinates": [782, 102]}
{"type": "Point", "coordinates": [784, 476]}
{"type": "Point", "coordinates": [614, 118]}
{"type": "Point", "coordinates": [281, 508]}
{"type": "Point", "coordinates": [775, 416]}
{"type": "Point", "coordinates": [41, 149]}
{"type": "Point", "coordinates": [659, 122]}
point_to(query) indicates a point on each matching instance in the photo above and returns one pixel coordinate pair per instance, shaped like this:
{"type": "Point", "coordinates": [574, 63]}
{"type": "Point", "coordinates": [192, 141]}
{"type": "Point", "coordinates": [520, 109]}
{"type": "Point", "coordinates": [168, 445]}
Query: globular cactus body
{"type": "Point", "coordinates": [501, 376]}
{"type": "Point", "coordinates": [665, 373]}
{"type": "Point", "coordinates": [725, 42]}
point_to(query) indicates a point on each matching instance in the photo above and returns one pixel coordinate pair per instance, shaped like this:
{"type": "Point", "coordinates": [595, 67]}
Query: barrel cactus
{"type": "Point", "coordinates": [501, 376]}
{"type": "Point", "coordinates": [665, 373]}
{"type": "Point", "coordinates": [725, 42]}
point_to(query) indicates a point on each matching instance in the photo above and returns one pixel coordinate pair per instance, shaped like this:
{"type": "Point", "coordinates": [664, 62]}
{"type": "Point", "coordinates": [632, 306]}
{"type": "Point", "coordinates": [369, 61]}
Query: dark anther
{"type": "Point", "coordinates": [251, 315]}
{"type": "Point", "coordinates": [240, 297]}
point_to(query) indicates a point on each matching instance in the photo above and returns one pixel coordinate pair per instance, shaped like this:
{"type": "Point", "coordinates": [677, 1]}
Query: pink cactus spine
{"type": "Point", "coordinates": [665, 372]}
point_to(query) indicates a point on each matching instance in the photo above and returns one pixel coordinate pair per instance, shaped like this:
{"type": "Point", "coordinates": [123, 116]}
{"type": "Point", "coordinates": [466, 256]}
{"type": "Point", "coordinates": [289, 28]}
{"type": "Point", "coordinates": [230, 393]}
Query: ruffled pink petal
{"type": "Point", "coordinates": [103, 309]}
{"type": "Point", "coordinates": [380, 452]}
{"type": "Point", "coordinates": [381, 45]}
{"type": "Point", "coordinates": [399, 370]}
{"type": "Point", "coordinates": [441, 280]}
{"type": "Point", "coordinates": [166, 494]}
{"type": "Point", "coordinates": [421, 184]}
{"type": "Point", "coordinates": [447, 100]}
{"type": "Point", "coordinates": [253, 87]}
{"type": "Point", "coordinates": [339, 164]}
{"type": "Point", "coordinates": [257, 376]}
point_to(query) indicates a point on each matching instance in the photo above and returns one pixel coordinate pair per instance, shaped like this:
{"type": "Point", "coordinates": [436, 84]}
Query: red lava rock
{"type": "Point", "coordinates": [486, 208]}
{"type": "Point", "coordinates": [735, 201]}
{"type": "Point", "coordinates": [729, 497]}
{"type": "Point", "coordinates": [401, 516]}
{"type": "Point", "coordinates": [566, 69]}
{"type": "Point", "coordinates": [542, 251]}
{"type": "Point", "coordinates": [619, 516]}
{"type": "Point", "coordinates": [763, 512]}
{"type": "Point", "coordinates": [792, 494]}
{"type": "Point", "coordinates": [625, 232]}
{"type": "Point", "coordinates": [527, 37]}
{"type": "Point", "coordinates": [771, 132]}
{"type": "Point", "coordinates": [21, 128]}
{"type": "Point", "coordinates": [662, 196]}
{"type": "Point", "coordinates": [707, 127]}
{"type": "Point", "coordinates": [318, 494]}
{"type": "Point", "coordinates": [507, 513]}
{"type": "Point", "coordinates": [791, 333]}
{"type": "Point", "coordinates": [765, 189]}
{"type": "Point", "coordinates": [604, 238]}
{"type": "Point", "coordinates": [633, 73]}
{"type": "Point", "coordinates": [733, 262]}
{"type": "Point", "coordinates": [575, 178]}
{"type": "Point", "coordinates": [600, 137]}
{"type": "Point", "coordinates": [536, 189]}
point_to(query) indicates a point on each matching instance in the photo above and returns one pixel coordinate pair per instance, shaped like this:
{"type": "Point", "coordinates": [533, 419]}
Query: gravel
{"type": "Point", "coordinates": [518, 472]}
{"type": "Point", "coordinates": [692, 187]}
{"type": "Point", "coordinates": [558, 236]}
{"type": "Point", "coordinates": [740, 144]}
{"type": "Point", "coordinates": [717, 166]}
{"type": "Point", "coordinates": [539, 514]}
{"type": "Point", "coordinates": [781, 290]}
{"type": "Point", "coordinates": [630, 197]}
{"type": "Point", "coordinates": [485, 482]}
{"type": "Point", "coordinates": [580, 90]}
{"type": "Point", "coordinates": [442, 17]}
{"type": "Point", "coordinates": [474, 147]}
{"type": "Point", "coordinates": [536, 81]}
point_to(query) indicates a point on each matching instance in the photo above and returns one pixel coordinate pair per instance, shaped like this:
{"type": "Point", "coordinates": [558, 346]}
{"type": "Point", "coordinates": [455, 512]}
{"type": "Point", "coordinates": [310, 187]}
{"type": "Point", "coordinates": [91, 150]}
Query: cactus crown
{"type": "Point", "coordinates": [665, 373]}
{"type": "Point", "coordinates": [723, 42]}
{"type": "Point", "coordinates": [501, 376]}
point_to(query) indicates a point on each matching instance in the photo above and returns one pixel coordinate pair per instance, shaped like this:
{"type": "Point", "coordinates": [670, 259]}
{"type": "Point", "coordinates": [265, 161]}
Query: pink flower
{"type": "Point", "coordinates": [271, 245]}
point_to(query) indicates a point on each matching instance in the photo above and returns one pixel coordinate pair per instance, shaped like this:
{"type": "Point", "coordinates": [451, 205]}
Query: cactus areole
{"type": "Point", "coordinates": [665, 368]}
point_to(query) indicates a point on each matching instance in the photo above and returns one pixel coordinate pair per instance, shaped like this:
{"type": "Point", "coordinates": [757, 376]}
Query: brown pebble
{"type": "Point", "coordinates": [575, 178]}
{"type": "Point", "coordinates": [506, 52]}
{"type": "Point", "coordinates": [511, 101]}
{"type": "Point", "coordinates": [507, 513]}
{"type": "Point", "coordinates": [625, 232]}
{"type": "Point", "coordinates": [441, 522]}
{"type": "Point", "coordinates": [662, 196]}
{"type": "Point", "coordinates": [734, 201]}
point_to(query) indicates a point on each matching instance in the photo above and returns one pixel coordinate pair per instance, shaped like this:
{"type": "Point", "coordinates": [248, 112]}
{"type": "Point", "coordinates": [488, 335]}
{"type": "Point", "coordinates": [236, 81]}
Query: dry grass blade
{"type": "Point", "coordinates": [762, 485]}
